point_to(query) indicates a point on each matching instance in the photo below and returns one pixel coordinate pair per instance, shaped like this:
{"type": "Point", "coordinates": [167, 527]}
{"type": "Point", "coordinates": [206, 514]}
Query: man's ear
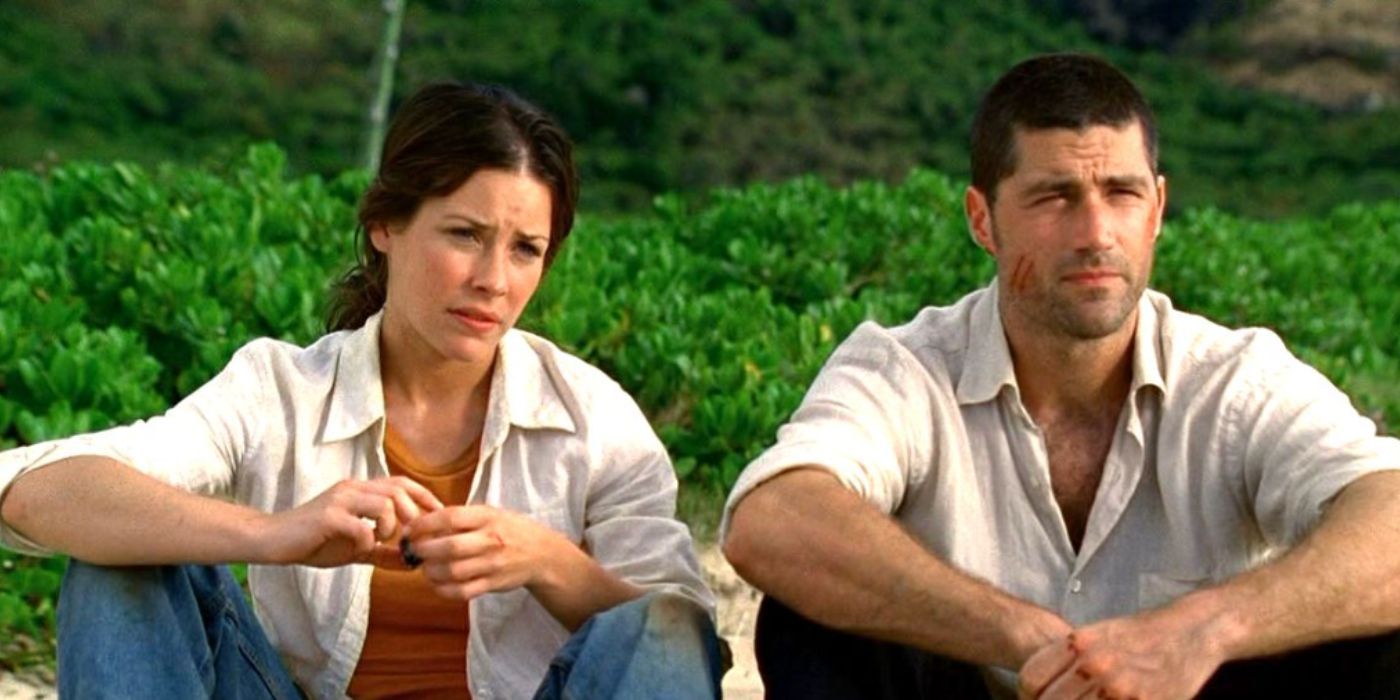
{"type": "Point", "coordinates": [1161, 204]}
{"type": "Point", "coordinates": [979, 219]}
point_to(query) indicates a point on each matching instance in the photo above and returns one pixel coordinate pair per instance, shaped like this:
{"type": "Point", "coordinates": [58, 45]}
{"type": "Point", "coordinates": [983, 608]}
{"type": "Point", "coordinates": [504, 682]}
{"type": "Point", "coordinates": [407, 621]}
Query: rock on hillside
{"type": "Point", "coordinates": [1341, 54]}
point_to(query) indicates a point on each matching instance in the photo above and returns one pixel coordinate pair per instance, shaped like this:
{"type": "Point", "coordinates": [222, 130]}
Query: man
{"type": "Point", "coordinates": [1060, 486]}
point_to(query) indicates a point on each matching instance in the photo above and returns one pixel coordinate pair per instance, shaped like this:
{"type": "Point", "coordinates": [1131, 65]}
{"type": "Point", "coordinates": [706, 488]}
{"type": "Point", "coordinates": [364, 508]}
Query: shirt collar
{"type": "Point", "coordinates": [523, 391]}
{"type": "Point", "coordinates": [987, 366]}
{"type": "Point", "coordinates": [531, 391]}
{"type": "Point", "coordinates": [1147, 350]}
{"type": "Point", "coordinates": [356, 399]}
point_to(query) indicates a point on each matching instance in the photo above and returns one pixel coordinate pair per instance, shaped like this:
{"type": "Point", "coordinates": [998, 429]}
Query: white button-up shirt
{"type": "Point", "coordinates": [280, 424]}
{"type": "Point", "coordinates": [1227, 448]}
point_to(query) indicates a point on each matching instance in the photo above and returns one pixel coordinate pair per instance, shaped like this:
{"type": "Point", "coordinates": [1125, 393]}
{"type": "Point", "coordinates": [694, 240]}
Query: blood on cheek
{"type": "Point", "coordinates": [1021, 275]}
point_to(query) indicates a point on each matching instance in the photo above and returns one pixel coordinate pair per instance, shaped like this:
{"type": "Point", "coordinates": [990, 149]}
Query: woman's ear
{"type": "Point", "coordinates": [379, 237]}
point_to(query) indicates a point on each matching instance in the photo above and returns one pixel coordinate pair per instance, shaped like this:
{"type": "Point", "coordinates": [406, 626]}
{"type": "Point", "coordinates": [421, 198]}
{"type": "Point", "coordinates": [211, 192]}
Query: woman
{"type": "Point", "coordinates": [431, 501]}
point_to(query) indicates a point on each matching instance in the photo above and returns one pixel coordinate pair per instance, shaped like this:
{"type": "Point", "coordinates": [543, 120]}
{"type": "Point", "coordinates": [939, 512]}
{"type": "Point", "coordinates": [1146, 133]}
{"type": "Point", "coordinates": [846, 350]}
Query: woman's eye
{"type": "Point", "coordinates": [469, 234]}
{"type": "Point", "coordinates": [529, 250]}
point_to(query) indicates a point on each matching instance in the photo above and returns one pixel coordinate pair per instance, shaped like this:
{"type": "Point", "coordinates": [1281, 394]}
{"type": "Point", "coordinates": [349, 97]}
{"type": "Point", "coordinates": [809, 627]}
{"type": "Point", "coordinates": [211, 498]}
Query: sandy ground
{"type": "Point", "coordinates": [738, 604]}
{"type": "Point", "coordinates": [28, 688]}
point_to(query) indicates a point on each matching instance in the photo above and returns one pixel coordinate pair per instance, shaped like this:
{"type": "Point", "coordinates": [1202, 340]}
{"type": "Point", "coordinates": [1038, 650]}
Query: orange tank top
{"type": "Point", "coordinates": [416, 644]}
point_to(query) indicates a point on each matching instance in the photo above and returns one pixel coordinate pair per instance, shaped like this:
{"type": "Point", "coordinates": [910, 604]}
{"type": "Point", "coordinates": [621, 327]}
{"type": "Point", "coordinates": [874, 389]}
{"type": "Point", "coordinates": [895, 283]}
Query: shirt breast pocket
{"type": "Point", "coordinates": [1157, 589]}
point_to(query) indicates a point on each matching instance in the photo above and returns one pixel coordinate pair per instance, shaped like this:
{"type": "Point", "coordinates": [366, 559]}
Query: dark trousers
{"type": "Point", "coordinates": [799, 658]}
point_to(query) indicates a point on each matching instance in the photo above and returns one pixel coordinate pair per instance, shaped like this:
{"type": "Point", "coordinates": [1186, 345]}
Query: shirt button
{"type": "Point", "coordinates": [1075, 585]}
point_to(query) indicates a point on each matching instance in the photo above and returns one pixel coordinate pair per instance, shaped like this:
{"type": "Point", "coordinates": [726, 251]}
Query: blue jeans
{"type": "Point", "coordinates": [162, 632]}
{"type": "Point", "coordinates": [187, 632]}
{"type": "Point", "coordinates": [658, 646]}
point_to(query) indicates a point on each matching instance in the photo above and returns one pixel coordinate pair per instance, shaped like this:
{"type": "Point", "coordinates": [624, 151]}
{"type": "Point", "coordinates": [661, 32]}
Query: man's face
{"type": "Point", "coordinates": [1073, 229]}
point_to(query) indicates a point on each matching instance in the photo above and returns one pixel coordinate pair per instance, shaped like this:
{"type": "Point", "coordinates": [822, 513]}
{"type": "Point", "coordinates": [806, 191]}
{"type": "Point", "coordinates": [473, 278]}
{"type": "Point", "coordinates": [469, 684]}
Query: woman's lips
{"type": "Point", "coordinates": [481, 321]}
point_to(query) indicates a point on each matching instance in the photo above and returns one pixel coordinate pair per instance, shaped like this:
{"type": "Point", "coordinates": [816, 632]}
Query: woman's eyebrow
{"type": "Point", "coordinates": [468, 219]}
{"type": "Point", "coordinates": [542, 239]}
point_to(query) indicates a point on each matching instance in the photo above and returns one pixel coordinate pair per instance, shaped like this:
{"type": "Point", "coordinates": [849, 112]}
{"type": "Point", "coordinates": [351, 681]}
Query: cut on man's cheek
{"type": "Point", "coordinates": [1021, 275]}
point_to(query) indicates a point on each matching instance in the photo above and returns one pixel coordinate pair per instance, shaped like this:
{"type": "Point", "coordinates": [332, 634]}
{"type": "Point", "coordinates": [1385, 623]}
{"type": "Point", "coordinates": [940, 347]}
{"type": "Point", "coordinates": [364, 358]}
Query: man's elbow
{"type": "Point", "coordinates": [742, 541]}
{"type": "Point", "coordinates": [13, 508]}
{"type": "Point", "coordinates": [771, 528]}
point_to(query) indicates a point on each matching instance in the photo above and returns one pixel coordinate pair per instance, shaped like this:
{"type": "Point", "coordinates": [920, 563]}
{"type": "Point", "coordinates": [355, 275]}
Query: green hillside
{"type": "Point", "coordinates": [662, 96]}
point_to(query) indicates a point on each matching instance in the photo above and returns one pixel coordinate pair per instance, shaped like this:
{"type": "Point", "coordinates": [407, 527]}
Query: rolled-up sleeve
{"type": "Point", "coordinates": [1303, 443]}
{"type": "Point", "coordinates": [630, 526]}
{"type": "Point", "coordinates": [194, 446]}
{"type": "Point", "coordinates": [867, 419]}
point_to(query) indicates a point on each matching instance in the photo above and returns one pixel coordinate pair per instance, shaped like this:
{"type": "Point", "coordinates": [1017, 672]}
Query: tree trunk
{"type": "Point", "coordinates": [388, 58]}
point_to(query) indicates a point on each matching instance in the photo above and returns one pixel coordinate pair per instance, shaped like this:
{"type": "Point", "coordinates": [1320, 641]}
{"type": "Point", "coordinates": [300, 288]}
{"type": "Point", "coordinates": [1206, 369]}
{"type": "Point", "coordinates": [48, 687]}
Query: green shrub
{"type": "Point", "coordinates": [122, 289]}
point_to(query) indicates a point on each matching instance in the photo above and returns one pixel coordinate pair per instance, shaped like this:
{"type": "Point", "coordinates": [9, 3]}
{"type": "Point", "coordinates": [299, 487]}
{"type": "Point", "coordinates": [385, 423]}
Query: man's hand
{"type": "Point", "coordinates": [1035, 629]}
{"type": "Point", "coordinates": [1162, 654]}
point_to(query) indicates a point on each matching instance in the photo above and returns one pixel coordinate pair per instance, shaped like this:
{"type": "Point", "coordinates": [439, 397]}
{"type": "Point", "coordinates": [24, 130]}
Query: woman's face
{"type": "Point", "coordinates": [461, 271]}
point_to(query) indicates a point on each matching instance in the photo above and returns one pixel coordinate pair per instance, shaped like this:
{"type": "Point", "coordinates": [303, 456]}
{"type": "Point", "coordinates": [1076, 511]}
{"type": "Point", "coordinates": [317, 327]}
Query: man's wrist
{"type": "Point", "coordinates": [1215, 618]}
{"type": "Point", "coordinates": [1031, 630]}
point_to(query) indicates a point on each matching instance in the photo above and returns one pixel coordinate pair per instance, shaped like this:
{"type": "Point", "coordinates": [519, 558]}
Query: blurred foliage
{"type": "Point", "coordinates": [662, 96]}
{"type": "Point", "coordinates": [28, 609]}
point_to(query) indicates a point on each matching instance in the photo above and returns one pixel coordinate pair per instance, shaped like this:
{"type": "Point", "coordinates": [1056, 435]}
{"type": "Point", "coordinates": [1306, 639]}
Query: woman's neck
{"type": "Point", "coordinates": [422, 388]}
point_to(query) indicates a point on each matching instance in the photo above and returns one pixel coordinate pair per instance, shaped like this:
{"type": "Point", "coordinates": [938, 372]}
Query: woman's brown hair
{"type": "Point", "coordinates": [438, 139]}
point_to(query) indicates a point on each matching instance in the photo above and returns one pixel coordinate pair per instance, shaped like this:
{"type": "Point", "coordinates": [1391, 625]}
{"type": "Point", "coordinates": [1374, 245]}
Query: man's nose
{"type": "Point", "coordinates": [1094, 229]}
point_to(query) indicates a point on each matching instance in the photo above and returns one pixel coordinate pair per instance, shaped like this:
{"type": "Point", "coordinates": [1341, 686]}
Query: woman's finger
{"type": "Point", "coordinates": [350, 527]}
{"type": "Point", "coordinates": [459, 546]}
{"type": "Point", "coordinates": [463, 592]}
{"type": "Point", "coordinates": [410, 499]}
{"type": "Point", "coordinates": [419, 494]}
{"type": "Point", "coordinates": [386, 556]}
{"type": "Point", "coordinates": [451, 520]}
{"type": "Point", "coordinates": [376, 508]}
{"type": "Point", "coordinates": [422, 496]}
{"type": "Point", "coordinates": [460, 570]}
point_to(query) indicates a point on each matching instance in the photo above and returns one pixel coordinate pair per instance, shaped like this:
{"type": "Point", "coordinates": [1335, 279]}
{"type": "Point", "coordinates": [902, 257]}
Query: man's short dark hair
{"type": "Point", "coordinates": [1058, 91]}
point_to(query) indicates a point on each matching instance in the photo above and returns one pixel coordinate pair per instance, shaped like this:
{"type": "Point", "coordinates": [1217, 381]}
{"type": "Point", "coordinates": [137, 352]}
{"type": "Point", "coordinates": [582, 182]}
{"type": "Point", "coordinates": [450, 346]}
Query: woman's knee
{"type": "Point", "coordinates": [674, 613]}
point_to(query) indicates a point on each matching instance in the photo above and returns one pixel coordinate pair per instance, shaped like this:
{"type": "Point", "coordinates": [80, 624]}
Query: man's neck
{"type": "Point", "coordinates": [1058, 374]}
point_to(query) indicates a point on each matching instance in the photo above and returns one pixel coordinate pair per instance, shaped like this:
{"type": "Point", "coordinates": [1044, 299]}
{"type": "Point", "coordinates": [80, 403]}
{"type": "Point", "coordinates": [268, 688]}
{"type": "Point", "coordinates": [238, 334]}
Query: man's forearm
{"type": "Point", "coordinates": [1342, 581]}
{"type": "Point", "coordinates": [811, 543]}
